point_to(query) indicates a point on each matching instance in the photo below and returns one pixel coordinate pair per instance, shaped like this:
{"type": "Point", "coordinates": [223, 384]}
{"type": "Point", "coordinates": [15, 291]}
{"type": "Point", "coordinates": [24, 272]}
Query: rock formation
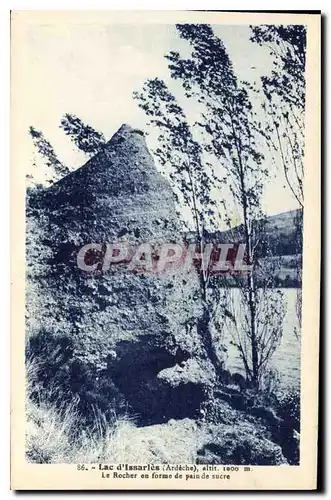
{"type": "Point", "coordinates": [125, 325]}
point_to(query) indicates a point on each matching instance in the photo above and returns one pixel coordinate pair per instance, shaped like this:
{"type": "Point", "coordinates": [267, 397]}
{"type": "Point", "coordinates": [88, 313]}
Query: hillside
{"type": "Point", "coordinates": [278, 248]}
{"type": "Point", "coordinates": [281, 234]}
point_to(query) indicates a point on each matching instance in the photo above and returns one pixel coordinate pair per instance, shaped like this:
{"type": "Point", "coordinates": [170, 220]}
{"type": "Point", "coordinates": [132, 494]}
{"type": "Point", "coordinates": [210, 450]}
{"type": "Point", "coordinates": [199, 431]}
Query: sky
{"type": "Point", "coordinates": [92, 71]}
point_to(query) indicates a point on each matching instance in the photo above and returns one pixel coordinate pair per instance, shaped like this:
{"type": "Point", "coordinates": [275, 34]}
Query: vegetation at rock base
{"type": "Point", "coordinates": [232, 428]}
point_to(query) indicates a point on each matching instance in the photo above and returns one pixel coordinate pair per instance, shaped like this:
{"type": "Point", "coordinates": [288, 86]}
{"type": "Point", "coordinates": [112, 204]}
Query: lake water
{"type": "Point", "coordinates": [286, 359]}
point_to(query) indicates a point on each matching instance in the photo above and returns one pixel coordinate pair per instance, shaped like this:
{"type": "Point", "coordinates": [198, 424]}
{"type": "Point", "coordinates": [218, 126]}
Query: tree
{"type": "Point", "coordinates": [284, 92]}
{"type": "Point", "coordinates": [269, 310]}
{"type": "Point", "coordinates": [230, 124]}
{"type": "Point", "coordinates": [47, 153]}
{"type": "Point", "coordinates": [192, 178]}
{"type": "Point", "coordinates": [85, 137]}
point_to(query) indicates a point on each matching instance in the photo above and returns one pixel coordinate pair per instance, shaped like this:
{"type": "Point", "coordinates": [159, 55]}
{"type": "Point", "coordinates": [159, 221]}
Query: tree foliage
{"type": "Point", "coordinates": [230, 122]}
{"type": "Point", "coordinates": [284, 90]}
{"type": "Point", "coordinates": [179, 152]}
{"type": "Point", "coordinates": [47, 153]}
{"type": "Point", "coordinates": [232, 136]}
{"type": "Point", "coordinates": [85, 137]}
{"type": "Point", "coordinates": [228, 119]}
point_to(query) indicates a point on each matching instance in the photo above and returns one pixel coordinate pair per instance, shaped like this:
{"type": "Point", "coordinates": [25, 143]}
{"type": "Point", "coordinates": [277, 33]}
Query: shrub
{"type": "Point", "coordinates": [56, 435]}
{"type": "Point", "coordinates": [289, 408]}
{"type": "Point", "coordinates": [56, 431]}
{"type": "Point", "coordinates": [54, 369]}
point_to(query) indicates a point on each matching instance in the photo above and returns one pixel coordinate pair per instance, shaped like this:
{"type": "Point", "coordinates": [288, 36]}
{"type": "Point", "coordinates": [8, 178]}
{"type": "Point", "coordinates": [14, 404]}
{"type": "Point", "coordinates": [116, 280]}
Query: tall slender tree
{"type": "Point", "coordinates": [192, 178]}
{"type": "Point", "coordinates": [284, 90]}
{"type": "Point", "coordinates": [231, 126]}
{"type": "Point", "coordinates": [233, 133]}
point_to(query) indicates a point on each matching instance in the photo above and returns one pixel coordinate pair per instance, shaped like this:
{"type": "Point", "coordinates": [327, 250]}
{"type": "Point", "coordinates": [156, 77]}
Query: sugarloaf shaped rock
{"type": "Point", "coordinates": [126, 325]}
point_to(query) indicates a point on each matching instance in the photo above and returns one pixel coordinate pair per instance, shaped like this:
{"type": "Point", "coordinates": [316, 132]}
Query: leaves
{"type": "Point", "coordinates": [227, 155]}
{"type": "Point", "coordinates": [178, 150]}
{"type": "Point", "coordinates": [46, 151]}
{"type": "Point", "coordinates": [85, 137]}
{"type": "Point", "coordinates": [284, 92]}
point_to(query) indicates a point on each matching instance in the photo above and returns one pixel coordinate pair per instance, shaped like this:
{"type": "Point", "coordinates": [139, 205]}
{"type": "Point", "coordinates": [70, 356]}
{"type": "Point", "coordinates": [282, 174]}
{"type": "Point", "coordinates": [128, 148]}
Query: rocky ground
{"type": "Point", "coordinates": [236, 439]}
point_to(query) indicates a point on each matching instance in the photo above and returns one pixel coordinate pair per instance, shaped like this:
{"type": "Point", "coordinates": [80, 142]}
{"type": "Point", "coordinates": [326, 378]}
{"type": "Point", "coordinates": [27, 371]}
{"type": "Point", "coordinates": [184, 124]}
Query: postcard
{"type": "Point", "coordinates": [165, 250]}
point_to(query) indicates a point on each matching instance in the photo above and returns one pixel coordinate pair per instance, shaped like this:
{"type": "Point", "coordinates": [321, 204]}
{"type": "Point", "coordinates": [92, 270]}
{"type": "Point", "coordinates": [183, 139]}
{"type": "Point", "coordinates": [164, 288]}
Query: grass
{"type": "Point", "coordinates": [55, 434]}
